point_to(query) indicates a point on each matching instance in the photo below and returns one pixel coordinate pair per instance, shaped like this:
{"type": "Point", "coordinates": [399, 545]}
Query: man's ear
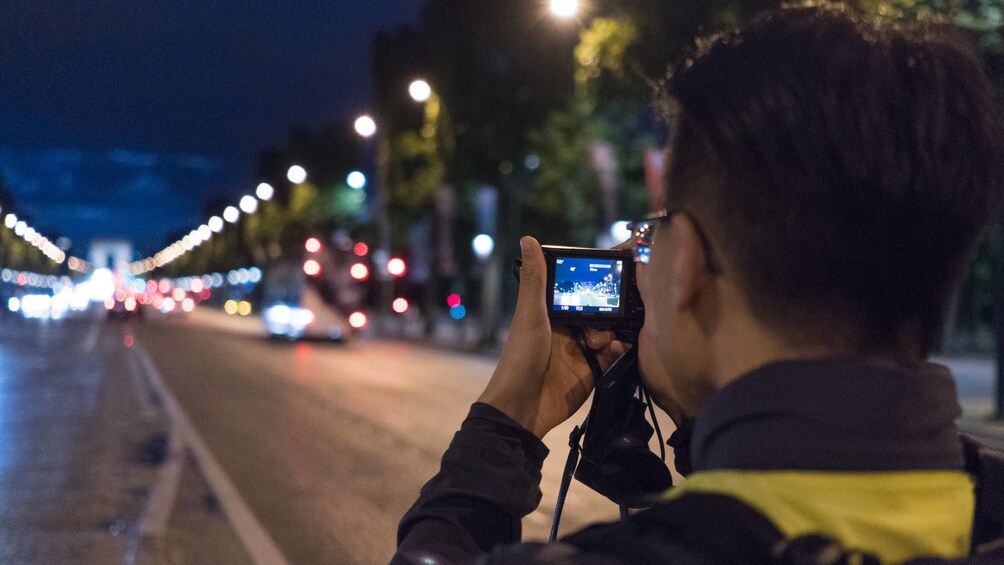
{"type": "Point", "coordinates": [690, 273]}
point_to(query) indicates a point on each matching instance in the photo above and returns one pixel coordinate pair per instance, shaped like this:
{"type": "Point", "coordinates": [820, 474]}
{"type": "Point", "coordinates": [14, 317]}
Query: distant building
{"type": "Point", "coordinates": [114, 254]}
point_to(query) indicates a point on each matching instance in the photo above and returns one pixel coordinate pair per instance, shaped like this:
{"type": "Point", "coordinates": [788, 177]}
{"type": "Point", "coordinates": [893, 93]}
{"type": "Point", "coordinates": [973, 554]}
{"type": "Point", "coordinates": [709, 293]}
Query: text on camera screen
{"type": "Point", "coordinates": [587, 284]}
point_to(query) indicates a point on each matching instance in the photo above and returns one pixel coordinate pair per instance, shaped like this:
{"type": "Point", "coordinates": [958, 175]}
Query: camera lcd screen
{"type": "Point", "coordinates": [587, 284]}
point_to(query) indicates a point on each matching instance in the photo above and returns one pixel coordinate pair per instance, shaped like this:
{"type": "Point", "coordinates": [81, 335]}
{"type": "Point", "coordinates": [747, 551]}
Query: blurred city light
{"type": "Point", "coordinates": [400, 305]}
{"type": "Point", "coordinates": [215, 223]}
{"type": "Point", "coordinates": [458, 312]}
{"type": "Point", "coordinates": [312, 245]}
{"type": "Point", "coordinates": [244, 308]}
{"type": "Point", "coordinates": [419, 90]}
{"type": "Point", "coordinates": [296, 174]}
{"type": "Point", "coordinates": [265, 191]}
{"type": "Point", "coordinates": [356, 180]}
{"type": "Point", "coordinates": [619, 231]}
{"type": "Point", "coordinates": [311, 267]}
{"type": "Point", "coordinates": [231, 214]}
{"type": "Point", "coordinates": [357, 320]}
{"type": "Point", "coordinates": [532, 162]}
{"type": "Point", "coordinates": [483, 244]}
{"type": "Point", "coordinates": [249, 204]}
{"type": "Point", "coordinates": [564, 8]}
{"type": "Point", "coordinates": [205, 233]}
{"type": "Point", "coordinates": [230, 307]}
{"type": "Point", "coordinates": [365, 126]}
{"type": "Point", "coordinates": [361, 249]}
{"type": "Point", "coordinates": [359, 271]}
{"type": "Point", "coordinates": [10, 221]}
{"type": "Point", "coordinates": [453, 300]}
{"type": "Point", "coordinates": [396, 267]}
{"type": "Point", "coordinates": [188, 305]}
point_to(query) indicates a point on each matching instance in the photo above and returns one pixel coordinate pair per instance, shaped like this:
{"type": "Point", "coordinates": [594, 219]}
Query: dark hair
{"type": "Point", "coordinates": [846, 169]}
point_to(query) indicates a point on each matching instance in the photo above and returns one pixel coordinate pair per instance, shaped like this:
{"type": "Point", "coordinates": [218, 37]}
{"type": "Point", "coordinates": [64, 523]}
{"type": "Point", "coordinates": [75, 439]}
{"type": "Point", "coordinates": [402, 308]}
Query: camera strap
{"type": "Point", "coordinates": [609, 452]}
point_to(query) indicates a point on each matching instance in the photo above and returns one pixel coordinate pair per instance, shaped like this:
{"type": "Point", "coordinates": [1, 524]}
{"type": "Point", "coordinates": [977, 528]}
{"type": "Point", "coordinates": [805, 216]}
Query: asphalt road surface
{"type": "Point", "coordinates": [329, 444]}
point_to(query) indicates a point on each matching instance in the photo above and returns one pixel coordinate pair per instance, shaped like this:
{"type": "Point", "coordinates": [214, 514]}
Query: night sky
{"type": "Point", "coordinates": [121, 119]}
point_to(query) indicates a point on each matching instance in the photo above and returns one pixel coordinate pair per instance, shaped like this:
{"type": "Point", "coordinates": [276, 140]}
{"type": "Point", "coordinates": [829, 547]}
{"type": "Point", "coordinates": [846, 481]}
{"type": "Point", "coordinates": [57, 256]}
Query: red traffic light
{"type": "Point", "coordinates": [313, 245]}
{"type": "Point", "coordinates": [311, 267]}
{"type": "Point", "coordinates": [396, 267]}
{"type": "Point", "coordinates": [361, 249]}
{"type": "Point", "coordinates": [453, 300]}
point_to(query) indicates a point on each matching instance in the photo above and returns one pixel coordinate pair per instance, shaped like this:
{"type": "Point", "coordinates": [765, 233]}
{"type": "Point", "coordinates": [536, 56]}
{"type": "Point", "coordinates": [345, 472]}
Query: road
{"type": "Point", "coordinates": [327, 444]}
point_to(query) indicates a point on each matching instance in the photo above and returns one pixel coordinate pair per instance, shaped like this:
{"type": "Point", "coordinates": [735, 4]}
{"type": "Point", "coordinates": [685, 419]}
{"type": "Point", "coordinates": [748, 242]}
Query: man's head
{"type": "Point", "coordinates": [842, 173]}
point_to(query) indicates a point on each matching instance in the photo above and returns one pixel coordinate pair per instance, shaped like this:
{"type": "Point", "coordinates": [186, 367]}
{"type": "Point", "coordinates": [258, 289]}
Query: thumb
{"type": "Point", "coordinates": [531, 305]}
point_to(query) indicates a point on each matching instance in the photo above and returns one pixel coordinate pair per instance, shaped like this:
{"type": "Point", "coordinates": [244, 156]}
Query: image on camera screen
{"type": "Point", "coordinates": [583, 284]}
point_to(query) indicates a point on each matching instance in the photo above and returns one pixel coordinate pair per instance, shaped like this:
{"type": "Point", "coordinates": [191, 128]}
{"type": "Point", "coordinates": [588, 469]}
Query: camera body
{"type": "Point", "coordinates": [593, 288]}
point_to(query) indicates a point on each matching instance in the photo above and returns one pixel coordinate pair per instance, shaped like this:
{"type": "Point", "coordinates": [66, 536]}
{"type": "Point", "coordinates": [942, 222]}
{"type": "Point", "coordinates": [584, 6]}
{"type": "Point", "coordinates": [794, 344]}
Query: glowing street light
{"type": "Point", "coordinates": [356, 180]}
{"type": "Point", "coordinates": [419, 90]}
{"type": "Point", "coordinates": [215, 223]}
{"type": "Point", "coordinates": [296, 174]}
{"type": "Point", "coordinates": [265, 191]}
{"type": "Point", "coordinates": [365, 126]}
{"type": "Point", "coordinates": [10, 221]}
{"type": "Point", "coordinates": [205, 233]}
{"type": "Point", "coordinates": [248, 204]}
{"type": "Point", "coordinates": [564, 8]}
{"type": "Point", "coordinates": [231, 214]}
{"type": "Point", "coordinates": [483, 244]}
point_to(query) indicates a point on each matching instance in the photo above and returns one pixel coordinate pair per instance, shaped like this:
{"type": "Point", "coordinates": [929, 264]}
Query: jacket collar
{"type": "Point", "coordinates": [832, 415]}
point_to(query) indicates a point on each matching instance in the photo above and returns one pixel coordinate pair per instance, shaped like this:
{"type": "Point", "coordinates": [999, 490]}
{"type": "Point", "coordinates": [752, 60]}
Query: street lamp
{"type": "Point", "coordinates": [248, 204]}
{"type": "Point", "coordinates": [215, 223]}
{"type": "Point", "coordinates": [356, 180]}
{"type": "Point", "coordinates": [265, 190]}
{"type": "Point", "coordinates": [365, 126]}
{"type": "Point", "coordinates": [296, 174]}
{"type": "Point", "coordinates": [483, 245]}
{"type": "Point", "coordinates": [564, 8]}
{"type": "Point", "coordinates": [231, 214]}
{"type": "Point", "coordinates": [419, 90]}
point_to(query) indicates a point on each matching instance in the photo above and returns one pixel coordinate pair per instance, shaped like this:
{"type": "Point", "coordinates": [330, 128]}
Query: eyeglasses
{"type": "Point", "coordinates": [643, 236]}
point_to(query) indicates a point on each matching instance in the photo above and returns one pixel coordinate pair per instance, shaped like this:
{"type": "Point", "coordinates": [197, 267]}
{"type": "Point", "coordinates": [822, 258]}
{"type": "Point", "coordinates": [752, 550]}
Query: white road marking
{"type": "Point", "coordinates": [92, 337]}
{"type": "Point", "coordinates": [141, 389]}
{"type": "Point", "coordinates": [256, 541]}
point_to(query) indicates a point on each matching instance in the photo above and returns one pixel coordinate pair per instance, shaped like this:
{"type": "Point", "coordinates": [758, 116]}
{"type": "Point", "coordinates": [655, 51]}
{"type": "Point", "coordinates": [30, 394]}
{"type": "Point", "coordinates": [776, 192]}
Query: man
{"type": "Point", "coordinates": [830, 179]}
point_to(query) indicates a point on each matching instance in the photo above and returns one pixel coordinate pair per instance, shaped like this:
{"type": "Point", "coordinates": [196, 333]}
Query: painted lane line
{"type": "Point", "coordinates": [254, 537]}
{"type": "Point", "coordinates": [165, 490]}
{"type": "Point", "coordinates": [91, 341]}
{"type": "Point", "coordinates": [141, 388]}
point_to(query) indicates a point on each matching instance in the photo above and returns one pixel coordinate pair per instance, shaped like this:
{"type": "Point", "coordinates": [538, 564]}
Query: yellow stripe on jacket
{"type": "Point", "coordinates": [897, 515]}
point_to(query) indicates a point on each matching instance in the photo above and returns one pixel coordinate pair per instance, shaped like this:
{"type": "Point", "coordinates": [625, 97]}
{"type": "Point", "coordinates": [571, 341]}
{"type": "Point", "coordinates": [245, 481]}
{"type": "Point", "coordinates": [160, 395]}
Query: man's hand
{"type": "Point", "coordinates": [542, 378]}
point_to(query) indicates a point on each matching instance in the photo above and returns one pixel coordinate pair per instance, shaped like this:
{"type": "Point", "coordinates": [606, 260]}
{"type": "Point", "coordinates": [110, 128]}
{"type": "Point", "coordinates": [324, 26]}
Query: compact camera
{"type": "Point", "coordinates": [592, 287]}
